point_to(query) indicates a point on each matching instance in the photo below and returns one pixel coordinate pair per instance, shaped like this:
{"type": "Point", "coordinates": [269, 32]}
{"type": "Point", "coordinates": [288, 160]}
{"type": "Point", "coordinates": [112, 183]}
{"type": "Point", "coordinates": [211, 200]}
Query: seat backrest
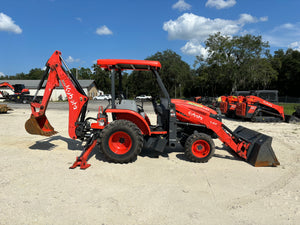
{"type": "Point", "coordinates": [127, 104]}
{"type": "Point", "coordinates": [164, 105]}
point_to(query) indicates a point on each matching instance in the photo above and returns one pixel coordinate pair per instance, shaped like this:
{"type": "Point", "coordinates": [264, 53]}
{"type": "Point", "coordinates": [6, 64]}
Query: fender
{"type": "Point", "coordinates": [134, 117]}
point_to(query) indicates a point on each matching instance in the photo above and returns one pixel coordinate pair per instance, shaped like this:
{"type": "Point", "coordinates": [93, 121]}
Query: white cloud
{"type": "Point", "coordinates": [103, 31]}
{"type": "Point", "coordinates": [7, 24]}
{"type": "Point", "coordinates": [70, 59]}
{"type": "Point", "coordinates": [181, 5]}
{"type": "Point", "coordinates": [247, 18]}
{"type": "Point", "coordinates": [220, 4]}
{"type": "Point", "coordinates": [194, 28]}
{"type": "Point", "coordinates": [295, 45]}
{"type": "Point", "coordinates": [264, 19]}
{"type": "Point", "coordinates": [2, 74]}
{"type": "Point", "coordinates": [193, 47]}
{"type": "Point", "coordinates": [190, 26]}
{"type": "Point", "coordinates": [79, 19]}
{"type": "Point", "coordinates": [286, 27]}
{"type": "Point", "coordinates": [283, 36]}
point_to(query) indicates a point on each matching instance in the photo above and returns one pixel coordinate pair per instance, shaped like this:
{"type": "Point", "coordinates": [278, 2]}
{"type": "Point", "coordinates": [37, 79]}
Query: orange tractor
{"type": "Point", "coordinates": [122, 139]}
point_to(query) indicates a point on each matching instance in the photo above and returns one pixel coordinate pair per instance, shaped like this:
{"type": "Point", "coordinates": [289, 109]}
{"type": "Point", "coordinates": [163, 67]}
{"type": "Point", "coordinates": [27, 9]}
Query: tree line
{"type": "Point", "coordinates": [232, 63]}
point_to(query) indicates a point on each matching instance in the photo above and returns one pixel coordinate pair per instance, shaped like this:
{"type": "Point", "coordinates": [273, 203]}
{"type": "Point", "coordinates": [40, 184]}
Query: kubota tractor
{"type": "Point", "coordinates": [121, 140]}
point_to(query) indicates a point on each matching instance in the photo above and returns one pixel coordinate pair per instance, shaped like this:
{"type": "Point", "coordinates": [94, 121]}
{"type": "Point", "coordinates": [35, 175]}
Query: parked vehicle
{"type": "Point", "coordinates": [143, 98]}
{"type": "Point", "coordinates": [102, 97]}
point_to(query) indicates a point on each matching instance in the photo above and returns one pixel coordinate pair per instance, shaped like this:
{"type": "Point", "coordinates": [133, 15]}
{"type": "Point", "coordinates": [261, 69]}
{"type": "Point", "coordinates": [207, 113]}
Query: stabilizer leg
{"type": "Point", "coordinates": [82, 159]}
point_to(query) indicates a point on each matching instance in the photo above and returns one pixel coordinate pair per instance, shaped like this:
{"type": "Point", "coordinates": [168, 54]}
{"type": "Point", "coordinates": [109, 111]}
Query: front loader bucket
{"type": "Point", "coordinates": [40, 126]}
{"type": "Point", "coordinates": [260, 152]}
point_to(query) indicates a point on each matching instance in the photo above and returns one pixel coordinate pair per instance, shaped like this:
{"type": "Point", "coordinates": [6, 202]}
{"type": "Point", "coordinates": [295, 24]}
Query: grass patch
{"type": "Point", "coordinates": [289, 108]}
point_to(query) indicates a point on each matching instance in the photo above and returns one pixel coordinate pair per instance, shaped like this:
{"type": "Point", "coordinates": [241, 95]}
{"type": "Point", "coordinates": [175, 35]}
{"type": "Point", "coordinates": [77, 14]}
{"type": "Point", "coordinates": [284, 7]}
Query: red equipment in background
{"type": "Point", "coordinates": [18, 89]}
{"type": "Point", "coordinates": [228, 104]}
{"type": "Point", "coordinates": [259, 110]}
{"type": "Point", "coordinates": [252, 107]}
{"type": "Point", "coordinates": [121, 140]}
{"type": "Point", "coordinates": [21, 94]}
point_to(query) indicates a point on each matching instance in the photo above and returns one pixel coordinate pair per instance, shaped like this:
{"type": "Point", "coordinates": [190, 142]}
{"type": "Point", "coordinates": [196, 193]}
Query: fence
{"type": "Point", "coordinates": [288, 99]}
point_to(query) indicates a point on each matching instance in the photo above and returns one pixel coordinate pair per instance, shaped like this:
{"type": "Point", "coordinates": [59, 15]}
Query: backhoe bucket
{"type": "Point", "coordinates": [260, 152]}
{"type": "Point", "coordinates": [40, 126]}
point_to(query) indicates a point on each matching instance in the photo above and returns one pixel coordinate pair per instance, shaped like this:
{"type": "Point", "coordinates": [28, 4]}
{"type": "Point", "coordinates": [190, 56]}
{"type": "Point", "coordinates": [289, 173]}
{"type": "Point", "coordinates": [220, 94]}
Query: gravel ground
{"type": "Point", "coordinates": [36, 186]}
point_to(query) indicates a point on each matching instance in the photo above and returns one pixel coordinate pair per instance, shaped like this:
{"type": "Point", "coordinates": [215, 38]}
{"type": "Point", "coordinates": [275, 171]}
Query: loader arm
{"type": "Point", "coordinates": [250, 145]}
{"type": "Point", "coordinates": [38, 123]}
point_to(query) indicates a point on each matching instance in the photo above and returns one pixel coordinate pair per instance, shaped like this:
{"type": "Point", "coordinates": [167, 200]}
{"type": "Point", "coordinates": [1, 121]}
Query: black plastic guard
{"type": "Point", "coordinates": [260, 152]}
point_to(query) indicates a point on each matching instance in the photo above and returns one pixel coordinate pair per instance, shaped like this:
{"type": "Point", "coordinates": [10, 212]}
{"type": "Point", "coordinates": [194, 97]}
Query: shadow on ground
{"type": "Point", "coordinates": [46, 144]}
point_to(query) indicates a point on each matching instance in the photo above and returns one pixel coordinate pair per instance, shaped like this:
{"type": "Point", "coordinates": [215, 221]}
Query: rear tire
{"type": "Point", "coordinates": [121, 141]}
{"type": "Point", "coordinates": [199, 148]}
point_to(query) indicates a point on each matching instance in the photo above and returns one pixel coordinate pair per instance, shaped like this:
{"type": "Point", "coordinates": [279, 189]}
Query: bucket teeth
{"type": "Point", "coordinates": [39, 126]}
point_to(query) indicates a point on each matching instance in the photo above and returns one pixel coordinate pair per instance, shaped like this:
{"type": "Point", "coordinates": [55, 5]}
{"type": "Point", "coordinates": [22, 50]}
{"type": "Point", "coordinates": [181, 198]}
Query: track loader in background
{"type": "Point", "coordinates": [259, 110]}
{"type": "Point", "coordinates": [122, 139]}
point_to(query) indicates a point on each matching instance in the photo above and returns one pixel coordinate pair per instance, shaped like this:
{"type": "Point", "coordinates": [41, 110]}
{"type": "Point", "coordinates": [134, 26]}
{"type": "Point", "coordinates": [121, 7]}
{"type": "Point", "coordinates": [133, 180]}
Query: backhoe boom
{"type": "Point", "coordinates": [38, 123]}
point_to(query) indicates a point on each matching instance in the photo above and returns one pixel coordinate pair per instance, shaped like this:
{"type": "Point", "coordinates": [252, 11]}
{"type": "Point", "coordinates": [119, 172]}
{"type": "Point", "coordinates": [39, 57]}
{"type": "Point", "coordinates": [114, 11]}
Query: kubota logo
{"type": "Point", "coordinates": [267, 103]}
{"type": "Point", "coordinates": [70, 97]}
{"type": "Point", "coordinates": [213, 123]}
{"type": "Point", "coordinates": [193, 114]}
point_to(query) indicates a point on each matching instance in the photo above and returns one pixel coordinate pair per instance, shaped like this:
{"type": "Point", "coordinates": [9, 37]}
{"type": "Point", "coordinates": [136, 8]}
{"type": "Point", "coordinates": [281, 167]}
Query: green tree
{"type": "Point", "coordinates": [174, 72]}
{"type": "Point", "coordinates": [235, 63]}
{"type": "Point", "coordinates": [34, 74]}
{"type": "Point", "coordinates": [82, 73]}
{"type": "Point", "coordinates": [287, 64]}
{"type": "Point", "coordinates": [101, 78]}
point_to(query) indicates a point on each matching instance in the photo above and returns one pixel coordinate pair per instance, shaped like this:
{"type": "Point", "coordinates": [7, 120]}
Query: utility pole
{"type": "Point", "coordinates": [180, 90]}
{"type": "Point", "coordinates": [77, 72]}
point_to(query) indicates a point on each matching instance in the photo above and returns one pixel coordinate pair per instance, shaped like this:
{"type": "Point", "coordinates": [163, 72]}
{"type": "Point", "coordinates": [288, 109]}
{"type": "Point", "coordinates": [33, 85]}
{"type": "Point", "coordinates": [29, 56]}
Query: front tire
{"type": "Point", "coordinates": [199, 148]}
{"type": "Point", "coordinates": [121, 141]}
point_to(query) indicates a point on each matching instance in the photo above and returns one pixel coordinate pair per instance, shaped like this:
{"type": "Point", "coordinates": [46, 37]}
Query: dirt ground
{"type": "Point", "coordinates": [36, 186]}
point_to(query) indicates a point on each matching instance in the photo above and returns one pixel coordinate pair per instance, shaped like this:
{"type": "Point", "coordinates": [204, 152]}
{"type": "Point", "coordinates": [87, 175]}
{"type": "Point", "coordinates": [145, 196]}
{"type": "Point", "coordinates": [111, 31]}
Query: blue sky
{"type": "Point", "coordinates": [87, 30]}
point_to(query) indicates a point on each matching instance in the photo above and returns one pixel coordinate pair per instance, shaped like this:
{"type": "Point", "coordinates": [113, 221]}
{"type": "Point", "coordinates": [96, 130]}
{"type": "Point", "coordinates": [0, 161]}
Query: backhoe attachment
{"type": "Point", "coordinates": [38, 123]}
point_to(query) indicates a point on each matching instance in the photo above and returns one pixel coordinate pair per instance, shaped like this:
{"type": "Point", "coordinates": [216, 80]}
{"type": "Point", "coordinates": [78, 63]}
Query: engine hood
{"type": "Point", "coordinates": [189, 105]}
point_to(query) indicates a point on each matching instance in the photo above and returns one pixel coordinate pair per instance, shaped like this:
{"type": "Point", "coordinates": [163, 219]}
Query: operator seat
{"type": "Point", "coordinates": [162, 113]}
{"type": "Point", "coordinates": [130, 105]}
{"type": "Point", "coordinates": [127, 104]}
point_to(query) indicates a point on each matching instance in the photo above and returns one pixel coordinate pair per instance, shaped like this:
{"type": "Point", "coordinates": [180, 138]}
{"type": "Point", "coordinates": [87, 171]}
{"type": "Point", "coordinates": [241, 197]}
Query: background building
{"type": "Point", "coordinates": [58, 93]}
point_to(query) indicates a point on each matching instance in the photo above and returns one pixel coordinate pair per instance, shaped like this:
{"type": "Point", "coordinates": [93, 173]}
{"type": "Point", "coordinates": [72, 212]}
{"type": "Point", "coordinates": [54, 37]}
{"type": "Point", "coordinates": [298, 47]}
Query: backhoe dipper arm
{"type": "Point", "coordinates": [75, 94]}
